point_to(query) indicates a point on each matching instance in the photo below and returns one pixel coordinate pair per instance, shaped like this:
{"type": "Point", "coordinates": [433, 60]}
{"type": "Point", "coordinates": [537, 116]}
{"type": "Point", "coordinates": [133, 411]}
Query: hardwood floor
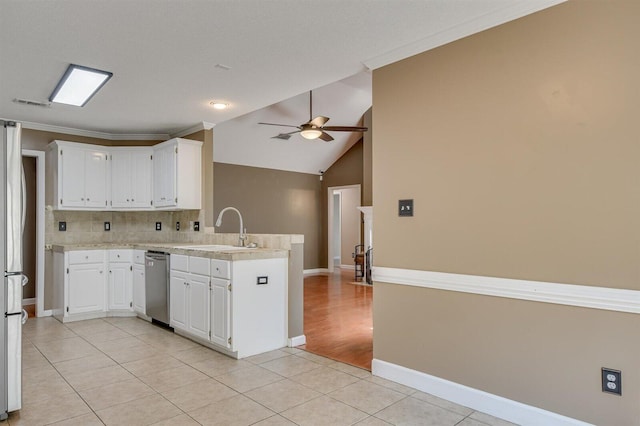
{"type": "Point", "coordinates": [338, 318]}
{"type": "Point", "coordinates": [31, 310]}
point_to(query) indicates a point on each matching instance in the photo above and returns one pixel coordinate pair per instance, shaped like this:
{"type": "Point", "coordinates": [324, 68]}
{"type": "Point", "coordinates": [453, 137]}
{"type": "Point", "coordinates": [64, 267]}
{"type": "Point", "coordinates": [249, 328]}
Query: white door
{"type": "Point", "coordinates": [139, 302]}
{"type": "Point", "coordinates": [198, 293]}
{"type": "Point", "coordinates": [120, 294]}
{"type": "Point", "coordinates": [141, 177]}
{"type": "Point", "coordinates": [86, 288]}
{"type": "Point", "coordinates": [178, 300]}
{"type": "Point", "coordinates": [121, 169]}
{"type": "Point", "coordinates": [71, 169]}
{"type": "Point", "coordinates": [95, 190]}
{"type": "Point", "coordinates": [220, 324]}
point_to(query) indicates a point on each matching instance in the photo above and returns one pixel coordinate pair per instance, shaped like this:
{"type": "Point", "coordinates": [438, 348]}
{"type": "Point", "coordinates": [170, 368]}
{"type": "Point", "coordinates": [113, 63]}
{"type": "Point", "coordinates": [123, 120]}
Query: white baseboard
{"type": "Point", "coordinates": [485, 402]}
{"type": "Point", "coordinates": [297, 341]}
{"type": "Point", "coordinates": [317, 271]}
{"type": "Point", "coordinates": [351, 267]}
{"type": "Point", "coordinates": [31, 301]}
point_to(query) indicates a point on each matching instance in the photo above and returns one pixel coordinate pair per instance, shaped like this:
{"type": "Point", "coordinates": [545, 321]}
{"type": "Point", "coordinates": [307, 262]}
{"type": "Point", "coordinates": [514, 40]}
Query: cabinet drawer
{"type": "Point", "coordinates": [86, 256]}
{"type": "Point", "coordinates": [199, 265]}
{"type": "Point", "coordinates": [179, 262]}
{"type": "Point", "coordinates": [120, 255]}
{"type": "Point", "coordinates": [138, 257]}
{"type": "Point", "coordinates": [220, 268]}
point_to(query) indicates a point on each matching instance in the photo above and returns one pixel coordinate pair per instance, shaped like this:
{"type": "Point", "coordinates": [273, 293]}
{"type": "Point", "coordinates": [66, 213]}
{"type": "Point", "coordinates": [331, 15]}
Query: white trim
{"type": "Point", "coordinates": [40, 207]}
{"type": "Point", "coordinates": [348, 267]}
{"type": "Point", "coordinates": [93, 133]}
{"type": "Point", "coordinates": [485, 402]}
{"type": "Point", "coordinates": [297, 341]}
{"type": "Point", "coordinates": [31, 301]}
{"type": "Point", "coordinates": [512, 11]}
{"type": "Point", "coordinates": [317, 271]}
{"type": "Point", "coordinates": [203, 125]}
{"type": "Point", "coordinates": [611, 299]}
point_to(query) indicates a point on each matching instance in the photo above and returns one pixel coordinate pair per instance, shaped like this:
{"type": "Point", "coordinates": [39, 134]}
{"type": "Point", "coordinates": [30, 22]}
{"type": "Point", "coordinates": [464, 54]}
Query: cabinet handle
{"type": "Point", "coordinates": [88, 199]}
{"type": "Point", "coordinates": [132, 200]}
{"type": "Point", "coordinates": [81, 199]}
{"type": "Point", "coordinates": [101, 271]}
{"type": "Point", "coordinates": [86, 257]}
{"type": "Point", "coordinates": [127, 200]}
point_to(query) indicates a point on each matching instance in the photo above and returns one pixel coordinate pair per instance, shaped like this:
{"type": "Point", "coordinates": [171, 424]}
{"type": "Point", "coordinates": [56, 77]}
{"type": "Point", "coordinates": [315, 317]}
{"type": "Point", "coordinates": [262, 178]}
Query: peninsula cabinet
{"type": "Point", "coordinates": [236, 307]}
{"type": "Point", "coordinates": [81, 178]}
{"type": "Point", "coordinates": [177, 175]}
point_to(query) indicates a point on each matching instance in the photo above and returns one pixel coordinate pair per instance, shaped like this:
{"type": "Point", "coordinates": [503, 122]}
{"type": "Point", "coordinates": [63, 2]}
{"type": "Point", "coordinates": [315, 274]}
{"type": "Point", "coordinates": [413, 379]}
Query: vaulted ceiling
{"type": "Point", "coordinates": [171, 58]}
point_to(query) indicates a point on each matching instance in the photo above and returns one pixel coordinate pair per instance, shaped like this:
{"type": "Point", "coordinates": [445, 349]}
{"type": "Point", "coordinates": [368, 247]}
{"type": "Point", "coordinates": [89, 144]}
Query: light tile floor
{"type": "Point", "coordinates": [125, 371]}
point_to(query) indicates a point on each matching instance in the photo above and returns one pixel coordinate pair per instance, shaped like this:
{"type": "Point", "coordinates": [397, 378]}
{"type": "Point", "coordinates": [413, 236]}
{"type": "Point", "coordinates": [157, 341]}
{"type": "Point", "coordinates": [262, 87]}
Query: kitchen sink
{"type": "Point", "coordinates": [214, 247]}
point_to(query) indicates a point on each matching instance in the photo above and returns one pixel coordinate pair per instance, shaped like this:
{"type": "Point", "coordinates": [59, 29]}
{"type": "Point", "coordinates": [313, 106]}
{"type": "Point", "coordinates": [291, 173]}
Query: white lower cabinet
{"type": "Point", "coordinates": [92, 284]}
{"type": "Point", "coordinates": [220, 323]}
{"type": "Point", "coordinates": [189, 303]}
{"type": "Point", "coordinates": [85, 288]}
{"type": "Point", "coordinates": [120, 286]}
{"type": "Point", "coordinates": [138, 282]}
{"type": "Point", "coordinates": [240, 307]}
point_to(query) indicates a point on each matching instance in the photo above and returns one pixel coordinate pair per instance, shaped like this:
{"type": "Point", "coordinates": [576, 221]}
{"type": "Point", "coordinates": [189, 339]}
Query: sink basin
{"type": "Point", "coordinates": [214, 247]}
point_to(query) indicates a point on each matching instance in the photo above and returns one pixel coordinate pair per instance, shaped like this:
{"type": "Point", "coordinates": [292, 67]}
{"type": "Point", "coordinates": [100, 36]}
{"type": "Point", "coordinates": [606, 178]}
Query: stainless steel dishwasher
{"type": "Point", "coordinates": [156, 270]}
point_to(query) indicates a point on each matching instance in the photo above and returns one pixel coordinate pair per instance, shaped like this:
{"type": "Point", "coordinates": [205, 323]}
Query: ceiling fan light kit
{"type": "Point", "coordinates": [315, 128]}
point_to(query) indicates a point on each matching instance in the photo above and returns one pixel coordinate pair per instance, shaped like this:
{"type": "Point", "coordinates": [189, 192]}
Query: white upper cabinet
{"type": "Point", "coordinates": [131, 178]}
{"type": "Point", "coordinates": [167, 176]}
{"type": "Point", "coordinates": [177, 174]}
{"type": "Point", "coordinates": [82, 175]}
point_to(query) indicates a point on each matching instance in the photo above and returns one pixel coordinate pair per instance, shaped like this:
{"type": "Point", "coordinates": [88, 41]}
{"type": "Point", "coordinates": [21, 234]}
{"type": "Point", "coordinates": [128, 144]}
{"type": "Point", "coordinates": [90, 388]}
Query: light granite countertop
{"type": "Point", "coordinates": [175, 248]}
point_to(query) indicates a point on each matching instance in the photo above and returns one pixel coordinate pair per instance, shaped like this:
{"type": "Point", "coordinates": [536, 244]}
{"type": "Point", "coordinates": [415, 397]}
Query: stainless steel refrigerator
{"type": "Point", "coordinates": [11, 226]}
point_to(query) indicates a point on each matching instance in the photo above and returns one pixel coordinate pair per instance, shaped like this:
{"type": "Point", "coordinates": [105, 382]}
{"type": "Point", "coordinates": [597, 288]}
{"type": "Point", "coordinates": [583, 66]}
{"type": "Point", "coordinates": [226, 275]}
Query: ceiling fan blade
{"type": "Point", "coordinates": [281, 125]}
{"type": "Point", "coordinates": [345, 129]}
{"type": "Point", "coordinates": [325, 137]}
{"type": "Point", "coordinates": [319, 121]}
{"type": "Point", "coordinates": [282, 136]}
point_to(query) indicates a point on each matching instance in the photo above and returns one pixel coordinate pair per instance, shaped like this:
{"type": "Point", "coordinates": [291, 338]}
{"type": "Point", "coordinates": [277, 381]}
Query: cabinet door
{"type": "Point", "coordinates": [139, 302]}
{"type": "Point", "coordinates": [220, 312]}
{"type": "Point", "coordinates": [178, 300]}
{"type": "Point", "coordinates": [95, 190]}
{"type": "Point", "coordinates": [141, 177]}
{"type": "Point", "coordinates": [164, 176]}
{"type": "Point", "coordinates": [85, 288]}
{"type": "Point", "coordinates": [121, 169]}
{"type": "Point", "coordinates": [71, 180]}
{"type": "Point", "coordinates": [120, 291]}
{"type": "Point", "coordinates": [198, 293]}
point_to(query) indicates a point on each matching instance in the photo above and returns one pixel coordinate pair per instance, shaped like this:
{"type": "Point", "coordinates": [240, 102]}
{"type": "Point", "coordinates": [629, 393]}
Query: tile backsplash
{"type": "Point", "coordinates": [125, 227]}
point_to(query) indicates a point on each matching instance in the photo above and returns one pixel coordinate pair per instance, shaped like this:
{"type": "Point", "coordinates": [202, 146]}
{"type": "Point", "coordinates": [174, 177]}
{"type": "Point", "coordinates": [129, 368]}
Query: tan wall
{"type": "Point", "coordinates": [271, 202]}
{"type": "Point", "coordinates": [347, 170]}
{"type": "Point", "coordinates": [350, 219]}
{"type": "Point", "coordinates": [525, 166]}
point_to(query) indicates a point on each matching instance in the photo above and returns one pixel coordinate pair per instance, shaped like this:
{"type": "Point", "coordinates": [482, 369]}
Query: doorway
{"type": "Point", "coordinates": [33, 163]}
{"type": "Point", "coordinates": [344, 226]}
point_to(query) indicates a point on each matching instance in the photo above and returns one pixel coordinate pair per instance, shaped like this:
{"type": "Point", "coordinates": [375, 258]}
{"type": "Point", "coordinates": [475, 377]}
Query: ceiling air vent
{"type": "Point", "coordinates": [32, 103]}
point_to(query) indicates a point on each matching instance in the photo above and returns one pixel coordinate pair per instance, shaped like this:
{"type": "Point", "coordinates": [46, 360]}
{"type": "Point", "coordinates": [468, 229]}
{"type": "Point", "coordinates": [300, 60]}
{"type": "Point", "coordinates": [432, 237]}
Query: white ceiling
{"type": "Point", "coordinates": [163, 54]}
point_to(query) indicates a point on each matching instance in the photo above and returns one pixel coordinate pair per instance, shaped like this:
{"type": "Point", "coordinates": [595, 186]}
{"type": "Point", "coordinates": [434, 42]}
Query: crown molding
{"type": "Point", "coordinates": [512, 11]}
{"type": "Point", "coordinates": [92, 133]}
{"type": "Point", "coordinates": [203, 125]}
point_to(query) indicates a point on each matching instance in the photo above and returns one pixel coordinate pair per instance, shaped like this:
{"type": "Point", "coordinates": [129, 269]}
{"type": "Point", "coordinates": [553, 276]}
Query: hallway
{"type": "Point", "coordinates": [338, 318]}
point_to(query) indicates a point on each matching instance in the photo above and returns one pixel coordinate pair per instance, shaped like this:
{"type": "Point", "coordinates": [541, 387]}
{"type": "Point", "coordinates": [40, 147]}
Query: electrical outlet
{"type": "Point", "coordinates": [405, 207]}
{"type": "Point", "coordinates": [612, 381]}
{"type": "Point", "coordinates": [62, 226]}
{"type": "Point", "coordinates": [158, 226]}
{"type": "Point", "coordinates": [196, 226]}
{"type": "Point", "coordinates": [177, 226]}
{"type": "Point", "coordinates": [107, 226]}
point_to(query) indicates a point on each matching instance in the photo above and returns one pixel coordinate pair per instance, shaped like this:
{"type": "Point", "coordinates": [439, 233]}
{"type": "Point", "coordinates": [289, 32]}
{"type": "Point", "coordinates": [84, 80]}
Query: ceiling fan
{"type": "Point", "coordinates": [315, 128]}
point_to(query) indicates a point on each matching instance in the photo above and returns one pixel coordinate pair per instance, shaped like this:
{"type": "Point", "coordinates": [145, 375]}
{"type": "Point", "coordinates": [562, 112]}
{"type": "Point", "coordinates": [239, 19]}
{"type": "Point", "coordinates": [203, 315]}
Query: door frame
{"type": "Point", "coordinates": [40, 209]}
{"type": "Point", "coordinates": [330, 220]}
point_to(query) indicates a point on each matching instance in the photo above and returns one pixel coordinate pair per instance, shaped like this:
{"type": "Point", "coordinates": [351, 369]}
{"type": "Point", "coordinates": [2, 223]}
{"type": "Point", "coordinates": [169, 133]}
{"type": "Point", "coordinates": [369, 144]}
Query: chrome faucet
{"type": "Point", "coordinates": [243, 232]}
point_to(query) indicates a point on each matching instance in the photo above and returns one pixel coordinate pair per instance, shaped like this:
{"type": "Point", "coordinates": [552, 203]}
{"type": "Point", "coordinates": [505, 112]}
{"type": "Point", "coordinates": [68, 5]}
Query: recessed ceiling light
{"type": "Point", "coordinates": [78, 85]}
{"type": "Point", "coordinates": [218, 105]}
